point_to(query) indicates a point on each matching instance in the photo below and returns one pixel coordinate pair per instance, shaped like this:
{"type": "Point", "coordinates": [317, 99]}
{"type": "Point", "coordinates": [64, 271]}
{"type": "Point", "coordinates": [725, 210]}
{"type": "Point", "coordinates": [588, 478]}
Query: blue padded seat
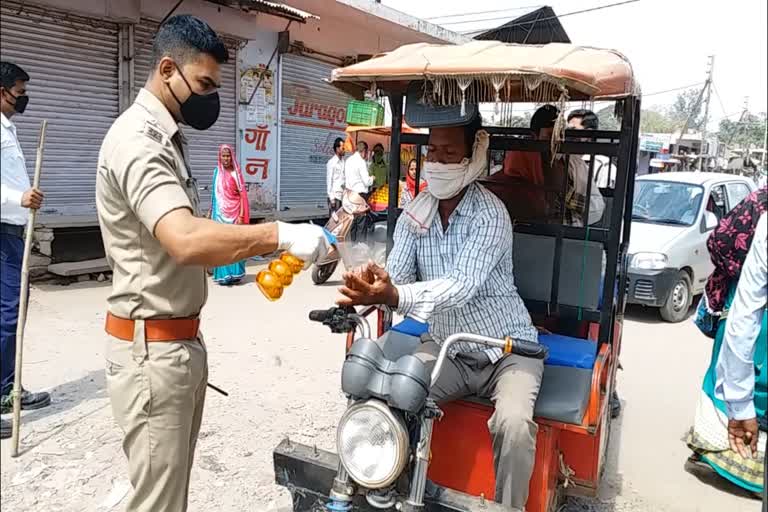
{"type": "Point", "coordinates": [565, 386]}
{"type": "Point", "coordinates": [563, 350]}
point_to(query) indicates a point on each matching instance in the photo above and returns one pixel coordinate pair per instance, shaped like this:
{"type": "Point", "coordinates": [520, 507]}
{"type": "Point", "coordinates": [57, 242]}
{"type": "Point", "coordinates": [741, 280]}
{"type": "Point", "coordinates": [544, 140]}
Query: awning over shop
{"type": "Point", "coordinates": [278, 9]}
{"type": "Point", "coordinates": [540, 26]}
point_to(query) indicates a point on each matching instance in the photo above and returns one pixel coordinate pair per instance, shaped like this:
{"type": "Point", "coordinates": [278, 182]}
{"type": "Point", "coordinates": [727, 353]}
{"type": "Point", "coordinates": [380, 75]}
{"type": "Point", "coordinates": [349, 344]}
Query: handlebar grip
{"type": "Point", "coordinates": [528, 349]}
{"type": "Point", "coordinates": [320, 315]}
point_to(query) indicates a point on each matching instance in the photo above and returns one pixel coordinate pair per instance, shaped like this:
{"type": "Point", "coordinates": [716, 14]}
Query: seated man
{"type": "Point", "coordinates": [605, 170]}
{"type": "Point", "coordinates": [451, 267]}
{"type": "Point", "coordinates": [532, 190]}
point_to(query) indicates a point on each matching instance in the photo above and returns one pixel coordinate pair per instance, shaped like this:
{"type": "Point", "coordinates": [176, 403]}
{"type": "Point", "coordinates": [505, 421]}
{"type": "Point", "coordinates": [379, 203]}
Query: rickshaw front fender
{"type": "Point", "coordinates": [308, 474]}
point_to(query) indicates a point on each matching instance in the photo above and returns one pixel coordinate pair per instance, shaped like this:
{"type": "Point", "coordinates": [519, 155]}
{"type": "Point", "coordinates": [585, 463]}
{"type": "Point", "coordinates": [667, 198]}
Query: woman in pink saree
{"type": "Point", "coordinates": [229, 205]}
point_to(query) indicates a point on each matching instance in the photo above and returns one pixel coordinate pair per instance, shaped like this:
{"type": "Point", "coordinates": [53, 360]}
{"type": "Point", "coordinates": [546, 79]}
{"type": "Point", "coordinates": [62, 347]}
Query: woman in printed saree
{"type": "Point", "coordinates": [409, 192]}
{"type": "Point", "coordinates": [229, 205]}
{"type": "Point", "coordinates": [708, 438]}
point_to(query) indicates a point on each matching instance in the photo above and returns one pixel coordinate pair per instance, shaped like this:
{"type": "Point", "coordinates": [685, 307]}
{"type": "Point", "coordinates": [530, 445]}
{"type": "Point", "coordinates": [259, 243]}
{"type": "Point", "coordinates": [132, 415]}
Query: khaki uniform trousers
{"type": "Point", "coordinates": [512, 384]}
{"type": "Point", "coordinates": [157, 390]}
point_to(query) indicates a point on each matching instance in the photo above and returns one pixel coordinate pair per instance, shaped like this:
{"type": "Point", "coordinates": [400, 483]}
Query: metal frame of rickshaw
{"type": "Point", "coordinates": [569, 457]}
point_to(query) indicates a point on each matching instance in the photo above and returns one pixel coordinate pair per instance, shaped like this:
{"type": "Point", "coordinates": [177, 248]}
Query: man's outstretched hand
{"type": "Point", "coordinates": [742, 436]}
{"type": "Point", "coordinates": [367, 286]}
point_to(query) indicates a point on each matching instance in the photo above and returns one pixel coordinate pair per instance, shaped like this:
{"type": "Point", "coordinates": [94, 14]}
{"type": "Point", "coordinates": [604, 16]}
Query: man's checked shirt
{"type": "Point", "coordinates": [460, 279]}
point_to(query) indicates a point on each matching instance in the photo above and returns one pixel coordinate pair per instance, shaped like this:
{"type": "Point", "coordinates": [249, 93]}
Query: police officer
{"type": "Point", "coordinates": [158, 247]}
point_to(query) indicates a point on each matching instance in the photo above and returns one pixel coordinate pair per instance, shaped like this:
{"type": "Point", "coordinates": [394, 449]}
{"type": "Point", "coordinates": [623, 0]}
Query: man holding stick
{"type": "Point", "coordinates": [17, 197]}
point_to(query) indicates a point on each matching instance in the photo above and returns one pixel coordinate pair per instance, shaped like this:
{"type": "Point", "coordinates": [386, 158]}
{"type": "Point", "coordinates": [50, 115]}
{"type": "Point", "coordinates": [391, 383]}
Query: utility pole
{"type": "Point", "coordinates": [708, 85]}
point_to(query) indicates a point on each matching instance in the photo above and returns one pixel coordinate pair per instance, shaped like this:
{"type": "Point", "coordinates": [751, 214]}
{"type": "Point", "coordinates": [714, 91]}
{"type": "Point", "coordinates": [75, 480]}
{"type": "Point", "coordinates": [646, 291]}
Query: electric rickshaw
{"type": "Point", "coordinates": [397, 449]}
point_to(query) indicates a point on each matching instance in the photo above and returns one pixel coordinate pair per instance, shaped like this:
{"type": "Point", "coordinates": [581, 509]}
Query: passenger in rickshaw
{"type": "Point", "coordinates": [451, 267]}
{"type": "Point", "coordinates": [605, 170]}
{"type": "Point", "coordinates": [532, 194]}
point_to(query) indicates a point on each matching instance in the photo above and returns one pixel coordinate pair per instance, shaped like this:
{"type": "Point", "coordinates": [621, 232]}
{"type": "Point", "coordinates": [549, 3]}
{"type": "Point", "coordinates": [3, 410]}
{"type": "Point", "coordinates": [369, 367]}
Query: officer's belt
{"type": "Point", "coordinates": [170, 329]}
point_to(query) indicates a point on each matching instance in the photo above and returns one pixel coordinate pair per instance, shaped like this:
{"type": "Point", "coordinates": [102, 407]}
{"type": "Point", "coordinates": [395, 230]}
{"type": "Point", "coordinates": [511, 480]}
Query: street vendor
{"type": "Point", "coordinates": [378, 167]}
{"type": "Point", "coordinates": [451, 267]}
{"type": "Point", "coordinates": [158, 248]}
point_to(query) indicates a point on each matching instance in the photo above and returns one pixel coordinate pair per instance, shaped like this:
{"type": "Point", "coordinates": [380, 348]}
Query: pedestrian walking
{"type": "Point", "coordinates": [356, 175]}
{"type": "Point", "coordinates": [158, 247]}
{"type": "Point", "coordinates": [733, 396]}
{"type": "Point", "coordinates": [334, 176]}
{"type": "Point", "coordinates": [17, 197]}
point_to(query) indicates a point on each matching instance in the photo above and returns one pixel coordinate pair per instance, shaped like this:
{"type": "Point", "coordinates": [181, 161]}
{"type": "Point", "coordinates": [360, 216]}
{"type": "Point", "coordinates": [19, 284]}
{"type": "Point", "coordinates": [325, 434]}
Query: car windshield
{"type": "Point", "coordinates": [666, 202]}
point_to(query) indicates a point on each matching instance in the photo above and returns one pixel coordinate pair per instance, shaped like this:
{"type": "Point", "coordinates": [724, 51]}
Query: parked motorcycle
{"type": "Point", "coordinates": [353, 222]}
{"type": "Point", "coordinates": [384, 437]}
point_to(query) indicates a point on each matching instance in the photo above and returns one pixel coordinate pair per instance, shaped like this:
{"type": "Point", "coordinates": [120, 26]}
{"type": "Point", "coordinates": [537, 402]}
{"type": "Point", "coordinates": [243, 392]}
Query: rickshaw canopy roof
{"type": "Point", "coordinates": [492, 71]}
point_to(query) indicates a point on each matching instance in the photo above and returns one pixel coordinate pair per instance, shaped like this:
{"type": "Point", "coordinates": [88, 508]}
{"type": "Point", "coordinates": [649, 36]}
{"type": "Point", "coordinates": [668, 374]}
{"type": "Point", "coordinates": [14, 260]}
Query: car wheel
{"type": "Point", "coordinates": [675, 309]}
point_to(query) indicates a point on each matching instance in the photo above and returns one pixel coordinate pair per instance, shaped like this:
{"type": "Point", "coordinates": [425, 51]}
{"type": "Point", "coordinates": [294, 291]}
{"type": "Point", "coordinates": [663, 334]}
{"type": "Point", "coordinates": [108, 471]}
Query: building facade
{"type": "Point", "coordinates": [89, 58]}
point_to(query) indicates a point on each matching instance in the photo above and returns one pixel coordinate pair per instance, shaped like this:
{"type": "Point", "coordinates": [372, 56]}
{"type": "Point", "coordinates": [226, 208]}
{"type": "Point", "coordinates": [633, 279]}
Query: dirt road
{"type": "Point", "coordinates": [282, 375]}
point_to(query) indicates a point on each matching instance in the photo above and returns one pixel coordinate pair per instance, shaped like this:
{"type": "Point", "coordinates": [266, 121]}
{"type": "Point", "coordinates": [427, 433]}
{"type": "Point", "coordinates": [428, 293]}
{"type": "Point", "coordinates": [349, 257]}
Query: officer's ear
{"type": "Point", "coordinates": [166, 68]}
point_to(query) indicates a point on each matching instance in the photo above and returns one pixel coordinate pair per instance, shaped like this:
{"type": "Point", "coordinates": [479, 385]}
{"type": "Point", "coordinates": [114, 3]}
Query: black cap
{"type": "Point", "coordinates": [419, 114]}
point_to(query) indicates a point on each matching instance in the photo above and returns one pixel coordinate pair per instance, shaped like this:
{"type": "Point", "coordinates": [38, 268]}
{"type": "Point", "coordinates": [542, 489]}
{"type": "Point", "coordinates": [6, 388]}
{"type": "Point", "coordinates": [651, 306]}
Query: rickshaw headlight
{"type": "Point", "coordinates": [649, 261]}
{"type": "Point", "coordinates": [372, 444]}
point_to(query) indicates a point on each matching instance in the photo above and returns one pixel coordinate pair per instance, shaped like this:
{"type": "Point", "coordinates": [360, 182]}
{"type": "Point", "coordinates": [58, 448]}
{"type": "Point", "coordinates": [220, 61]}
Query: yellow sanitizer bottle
{"type": "Point", "coordinates": [279, 275]}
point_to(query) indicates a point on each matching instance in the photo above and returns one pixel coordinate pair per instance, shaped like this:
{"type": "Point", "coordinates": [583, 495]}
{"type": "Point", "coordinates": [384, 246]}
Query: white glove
{"type": "Point", "coordinates": [305, 241]}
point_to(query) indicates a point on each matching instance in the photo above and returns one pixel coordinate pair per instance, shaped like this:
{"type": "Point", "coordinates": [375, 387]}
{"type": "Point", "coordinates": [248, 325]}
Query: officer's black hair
{"type": "Point", "coordinates": [378, 146]}
{"type": "Point", "coordinates": [588, 118]}
{"type": "Point", "coordinates": [10, 73]}
{"type": "Point", "coordinates": [338, 143]}
{"type": "Point", "coordinates": [184, 37]}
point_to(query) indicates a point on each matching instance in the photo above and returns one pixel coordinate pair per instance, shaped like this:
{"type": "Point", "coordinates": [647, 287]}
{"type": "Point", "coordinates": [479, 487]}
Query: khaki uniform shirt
{"type": "Point", "coordinates": [143, 174]}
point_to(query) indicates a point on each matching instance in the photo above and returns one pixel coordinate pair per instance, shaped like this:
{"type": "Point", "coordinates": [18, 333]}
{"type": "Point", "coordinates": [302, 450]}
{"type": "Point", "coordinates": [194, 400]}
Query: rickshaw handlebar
{"type": "Point", "coordinates": [508, 345]}
{"type": "Point", "coordinates": [346, 319]}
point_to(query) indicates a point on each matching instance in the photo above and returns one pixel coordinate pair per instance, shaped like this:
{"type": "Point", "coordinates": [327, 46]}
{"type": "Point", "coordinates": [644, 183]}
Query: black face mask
{"type": "Point", "coordinates": [21, 102]}
{"type": "Point", "coordinates": [200, 111]}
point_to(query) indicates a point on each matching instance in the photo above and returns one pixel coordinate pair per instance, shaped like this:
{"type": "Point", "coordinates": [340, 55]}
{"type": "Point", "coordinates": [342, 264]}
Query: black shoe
{"type": "Point", "coordinates": [29, 401]}
{"type": "Point", "coordinates": [5, 429]}
{"type": "Point", "coordinates": [615, 404]}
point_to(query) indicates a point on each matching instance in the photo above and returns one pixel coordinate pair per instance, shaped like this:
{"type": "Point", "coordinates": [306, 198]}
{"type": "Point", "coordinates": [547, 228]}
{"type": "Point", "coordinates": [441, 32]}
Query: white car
{"type": "Point", "coordinates": [672, 216]}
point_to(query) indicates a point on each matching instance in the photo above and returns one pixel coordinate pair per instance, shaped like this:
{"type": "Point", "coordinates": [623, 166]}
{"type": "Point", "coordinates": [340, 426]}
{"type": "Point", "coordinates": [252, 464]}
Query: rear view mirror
{"type": "Point", "coordinates": [710, 221]}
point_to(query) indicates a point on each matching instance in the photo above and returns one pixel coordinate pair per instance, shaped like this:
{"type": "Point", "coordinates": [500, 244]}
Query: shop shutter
{"type": "Point", "coordinates": [203, 145]}
{"type": "Point", "coordinates": [73, 65]}
{"type": "Point", "coordinates": [307, 135]}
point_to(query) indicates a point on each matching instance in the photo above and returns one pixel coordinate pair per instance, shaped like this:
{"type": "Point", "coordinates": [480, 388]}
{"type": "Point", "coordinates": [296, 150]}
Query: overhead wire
{"type": "Point", "coordinates": [582, 11]}
{"type": "Point", "coordinates": [719, 99]}
{"type": "Point", "coordinates": [672, 90]}
{"type": "Point", "coordinates": [522, 8]}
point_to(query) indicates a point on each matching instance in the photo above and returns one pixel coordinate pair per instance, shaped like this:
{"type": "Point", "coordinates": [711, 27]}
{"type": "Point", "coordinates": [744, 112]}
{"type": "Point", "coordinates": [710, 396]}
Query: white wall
{"type": "Point", "coordinates": [258, 122]}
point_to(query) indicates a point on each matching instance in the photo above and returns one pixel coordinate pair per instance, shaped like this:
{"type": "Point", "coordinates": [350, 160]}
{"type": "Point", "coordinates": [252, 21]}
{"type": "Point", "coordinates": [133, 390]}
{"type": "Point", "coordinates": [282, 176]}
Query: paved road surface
{"type": "Point", "coordinates": [282, 375]}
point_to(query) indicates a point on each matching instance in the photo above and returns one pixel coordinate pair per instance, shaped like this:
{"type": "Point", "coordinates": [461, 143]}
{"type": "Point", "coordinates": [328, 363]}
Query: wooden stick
{"type": "Point", "coordinates": [24, 294]}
